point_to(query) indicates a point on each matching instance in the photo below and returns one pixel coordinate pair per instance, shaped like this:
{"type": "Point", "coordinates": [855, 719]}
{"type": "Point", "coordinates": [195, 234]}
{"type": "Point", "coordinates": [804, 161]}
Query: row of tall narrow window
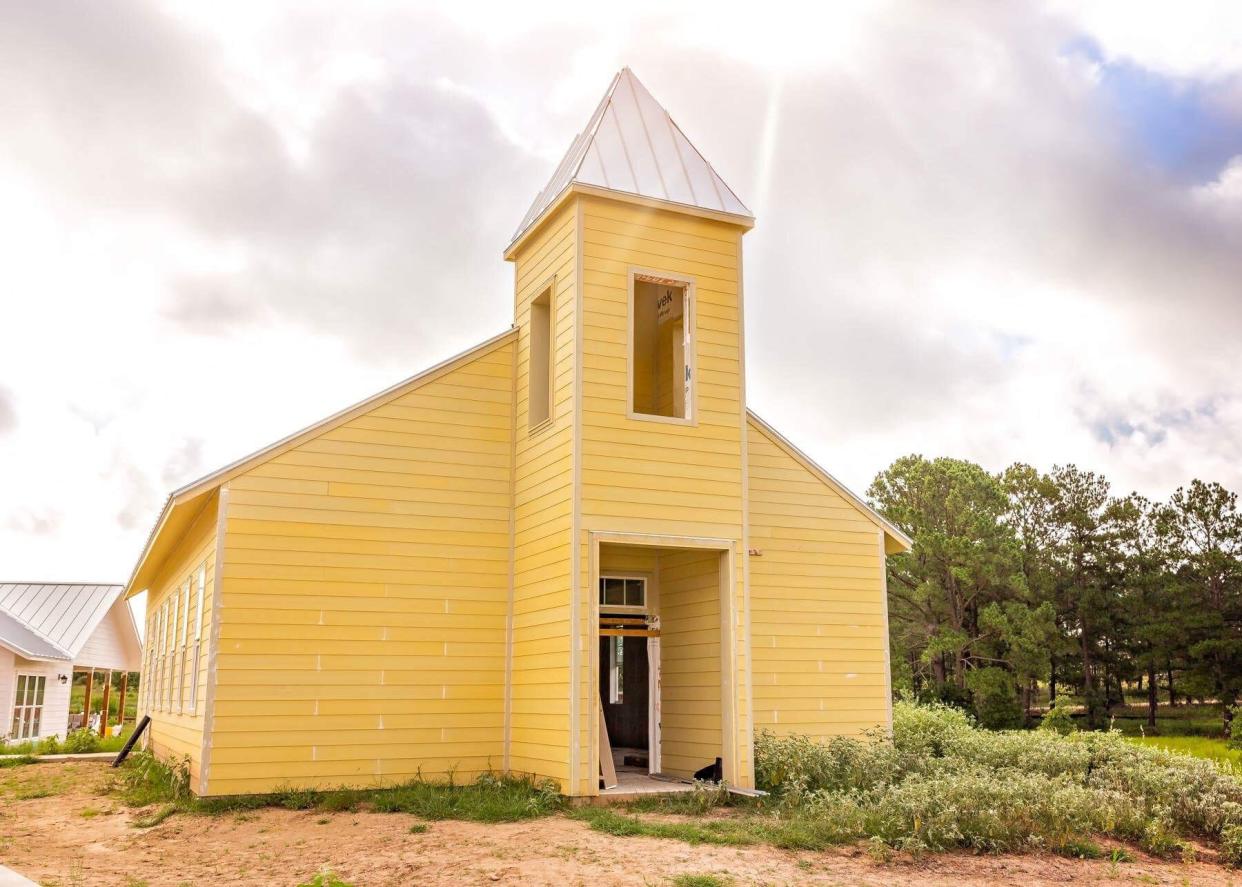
{"type": "Point", "coordinates": [174, 646]}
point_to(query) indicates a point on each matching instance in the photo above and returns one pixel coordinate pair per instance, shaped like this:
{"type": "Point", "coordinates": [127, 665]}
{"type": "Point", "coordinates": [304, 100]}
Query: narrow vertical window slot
{"type": "Point", "coordinates": [540, 361]}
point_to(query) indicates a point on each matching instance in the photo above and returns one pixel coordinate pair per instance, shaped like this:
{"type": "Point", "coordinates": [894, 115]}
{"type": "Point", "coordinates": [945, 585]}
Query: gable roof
{"type": "Point", "coordinates": [184, 504]}
{"type": "Point", "coordinates": [896, 541]}
{"type": "Point", "coordinates": [43, 620]}
{"type": "Point", "coordinates": [632, 145]}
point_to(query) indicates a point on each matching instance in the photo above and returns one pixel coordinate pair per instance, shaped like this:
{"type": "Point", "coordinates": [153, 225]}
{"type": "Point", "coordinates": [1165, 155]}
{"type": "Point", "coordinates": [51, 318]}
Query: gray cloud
{"type": "Point", "coordinates": [958, 247]}
{"type": "Point", "coordinates": [138, 497]}
{"type": "Point", "coordinates": [185, 463]}
{"type": "Point", "coordinates": [8, 411]}
{"type": "Point", "coordinates": [34, 522]}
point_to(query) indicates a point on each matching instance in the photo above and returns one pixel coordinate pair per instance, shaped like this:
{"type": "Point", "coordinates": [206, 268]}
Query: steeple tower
{"type": "Point", "coordinates": [631, 411]}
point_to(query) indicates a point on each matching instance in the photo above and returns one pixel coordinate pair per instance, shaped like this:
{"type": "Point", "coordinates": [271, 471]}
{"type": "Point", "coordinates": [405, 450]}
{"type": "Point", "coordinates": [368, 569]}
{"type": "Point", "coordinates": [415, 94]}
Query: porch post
{"type": "Point", "coordinates": [103, 712]}
{"type": "Point", "coordinates": [86, 699]}
{"type": "Point", "coordinates": [120, 709]}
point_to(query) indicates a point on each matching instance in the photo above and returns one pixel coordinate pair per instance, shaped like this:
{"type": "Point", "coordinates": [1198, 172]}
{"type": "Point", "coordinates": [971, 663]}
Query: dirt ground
{"type": "Point", "coordinates": [79, 836]}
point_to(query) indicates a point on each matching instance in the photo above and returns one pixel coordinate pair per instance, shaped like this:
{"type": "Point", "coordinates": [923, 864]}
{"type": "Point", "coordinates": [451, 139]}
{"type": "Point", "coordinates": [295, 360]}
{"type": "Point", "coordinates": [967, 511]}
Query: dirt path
{"type": "Point", "coordinates": [79, 836]}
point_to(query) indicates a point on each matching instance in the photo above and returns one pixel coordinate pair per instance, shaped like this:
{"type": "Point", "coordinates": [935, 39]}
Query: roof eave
{"type": "Point", "coordinates": [745, 222]}
{"type": "Point", "coordinates": [891, 530]}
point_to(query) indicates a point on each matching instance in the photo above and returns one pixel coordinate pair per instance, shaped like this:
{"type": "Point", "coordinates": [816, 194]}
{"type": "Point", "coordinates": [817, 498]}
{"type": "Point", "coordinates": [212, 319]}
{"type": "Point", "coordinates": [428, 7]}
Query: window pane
{"type": "Point", "coordinates": [613, 592]}
{"type": "Point", "coordinates": [38, 689]}
{"type": "Point", "coordinates": [634, 592]}
{"type": "Point", "coordinates": [21, 689]}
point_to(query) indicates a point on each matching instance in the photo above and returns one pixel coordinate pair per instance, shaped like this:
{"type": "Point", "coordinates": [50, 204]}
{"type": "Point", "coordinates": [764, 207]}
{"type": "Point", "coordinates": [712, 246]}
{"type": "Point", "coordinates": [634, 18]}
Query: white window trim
{"type": "Point", "coordinates": [691, 355]}
{"type": "Point", "coordinates": [625, 608]}
{"type": "Point", "coordinates": [548, 288]}
{"type": "Point", "coordinates": [28, 708]}
{"type": "Point", "coordinates": [616, 671]}
{"type": "Point", "coordinates": [198, 636]}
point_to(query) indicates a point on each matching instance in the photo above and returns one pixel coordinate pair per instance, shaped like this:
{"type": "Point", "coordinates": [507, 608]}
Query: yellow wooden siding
{"type": "Point", "coordinates": [660, 477]}
{"type": "Point", "coordinates": [365, 592]}
{"type": "Point", "coordinates": [176, 730]}
{"type": "Point", "coordinates": [650, 476]}
{"type": "Point", "coordinates": [690, 661]}
{"type": "Point", "coordinates": [543, 513]}
{"type": "Point", "coordinates": [819, 638]}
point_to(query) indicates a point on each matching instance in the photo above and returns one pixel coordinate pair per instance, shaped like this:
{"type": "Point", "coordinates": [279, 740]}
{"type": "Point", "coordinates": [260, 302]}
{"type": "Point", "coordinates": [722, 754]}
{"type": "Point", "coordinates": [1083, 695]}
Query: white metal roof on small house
{"type": "Point", "coordinates": [632, 145]}
{"type": "Point", "coordinates": [61, 616]}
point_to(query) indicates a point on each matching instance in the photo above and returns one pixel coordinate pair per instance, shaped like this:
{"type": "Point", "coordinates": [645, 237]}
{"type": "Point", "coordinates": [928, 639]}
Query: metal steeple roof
{"type": "Point", "coordinates": [632, 145]}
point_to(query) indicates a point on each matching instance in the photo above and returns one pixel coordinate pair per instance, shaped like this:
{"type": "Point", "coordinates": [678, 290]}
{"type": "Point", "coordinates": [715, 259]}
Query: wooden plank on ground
{"type": "Point", "coordinates": [607, 770]}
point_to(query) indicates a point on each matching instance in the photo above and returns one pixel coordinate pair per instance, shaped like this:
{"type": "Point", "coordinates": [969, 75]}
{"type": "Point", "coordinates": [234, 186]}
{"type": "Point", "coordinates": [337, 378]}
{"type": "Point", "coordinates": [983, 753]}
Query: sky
{"type": "Point", "coordinates": [1000, 232]}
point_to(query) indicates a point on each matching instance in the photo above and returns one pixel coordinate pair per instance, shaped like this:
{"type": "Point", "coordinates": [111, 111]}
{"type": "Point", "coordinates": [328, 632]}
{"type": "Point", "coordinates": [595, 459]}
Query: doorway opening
{"type": "Point", "coordinates": [659, 670]}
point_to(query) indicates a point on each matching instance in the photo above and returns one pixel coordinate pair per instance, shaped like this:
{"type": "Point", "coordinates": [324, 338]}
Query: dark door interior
{"type": "Point", "coordinates": [627, 719]}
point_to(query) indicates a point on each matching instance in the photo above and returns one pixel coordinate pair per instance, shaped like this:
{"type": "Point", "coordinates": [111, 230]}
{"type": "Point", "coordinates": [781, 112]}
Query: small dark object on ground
{"type": "Point", "coordinates": [710, 773]}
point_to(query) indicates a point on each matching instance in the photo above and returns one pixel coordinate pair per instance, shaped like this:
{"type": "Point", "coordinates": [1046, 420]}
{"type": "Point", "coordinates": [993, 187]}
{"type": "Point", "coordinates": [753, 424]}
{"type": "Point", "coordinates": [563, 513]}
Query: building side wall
{"type": "Point", "coordinates": [543, 496]}
{"type": "Point", "coordinates": [690, 660]}
{"type": "Point", "coordinates": [55, 717]}
{"type": "Point", "coordinates": [7, 689]}
{"type": "Point", "coordinates": [364, 595]}
{"type": "Point", "coordinates": [176, 730]}
{"type": "Point", "coordinates": [109, 645]}
{"type": "Point", "coordinates": [653, 477]}
{"type": "Point", "coordinates": [817, 602]}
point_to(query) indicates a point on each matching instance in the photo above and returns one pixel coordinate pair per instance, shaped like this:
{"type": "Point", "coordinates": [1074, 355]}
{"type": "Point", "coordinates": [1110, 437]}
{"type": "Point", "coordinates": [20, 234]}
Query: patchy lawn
{"type": "Point", "coordinates": [1217, 750]}
{"type": "Point", "coordinates": [70, 826]}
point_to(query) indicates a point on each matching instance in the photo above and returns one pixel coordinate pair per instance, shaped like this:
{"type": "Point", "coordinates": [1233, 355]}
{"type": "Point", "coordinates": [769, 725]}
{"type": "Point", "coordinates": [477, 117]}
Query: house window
{"type": "Point", "coordinates": [172, 649]}
{"type": "Point", "coordinates": [661, 331]}
{"type": "Point", "coordinates": [539, 408]}
{"type": "Point", "coordinates": [163, 668]}
{"type": "Point", "coordinates": [182, 650]}
{"type": "Point", "coordinates": [28, 706]}
{"type": "Point", "coordinates": [616, 671]}
{"type": "Point", "coordinates": [198, 636]}
{"type": "Point", "coordinates": [627, 592]}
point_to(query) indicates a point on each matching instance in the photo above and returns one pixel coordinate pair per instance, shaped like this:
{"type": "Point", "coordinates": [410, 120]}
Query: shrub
{"type": "Point", "coordinates": [1231, 845]}
{"type": "Point", "coordinates": [1058, 719]}
{"type": "Point", "coordinates": [996, 701]}
{"type": "Point", "coordinates": [80, 742]}
{"type": "Point", "coordinates": [943, 783]}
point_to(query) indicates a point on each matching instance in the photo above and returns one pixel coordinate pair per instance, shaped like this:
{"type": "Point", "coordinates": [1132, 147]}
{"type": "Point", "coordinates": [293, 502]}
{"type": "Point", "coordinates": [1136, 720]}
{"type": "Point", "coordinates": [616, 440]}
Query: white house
{"type": "Point", "coordinates": [48, 631]}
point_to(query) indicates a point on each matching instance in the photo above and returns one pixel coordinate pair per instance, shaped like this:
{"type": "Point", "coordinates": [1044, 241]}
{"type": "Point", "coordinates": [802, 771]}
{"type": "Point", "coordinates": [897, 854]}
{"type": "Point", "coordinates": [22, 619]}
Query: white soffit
{"type": "Point", "coordinates": [632, 145]}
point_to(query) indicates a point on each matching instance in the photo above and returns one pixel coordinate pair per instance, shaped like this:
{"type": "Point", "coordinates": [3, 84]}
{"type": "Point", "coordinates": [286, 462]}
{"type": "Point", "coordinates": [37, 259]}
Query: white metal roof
{"type": "Point", "coordinates": [631, 144]}
{"type": "Point", "coordinates": [62, 617]}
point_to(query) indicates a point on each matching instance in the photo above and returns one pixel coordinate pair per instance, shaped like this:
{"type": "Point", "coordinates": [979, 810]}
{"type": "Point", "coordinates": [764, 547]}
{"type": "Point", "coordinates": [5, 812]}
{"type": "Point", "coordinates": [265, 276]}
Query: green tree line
{"type": "Point", "coordinates": [1025, 580]}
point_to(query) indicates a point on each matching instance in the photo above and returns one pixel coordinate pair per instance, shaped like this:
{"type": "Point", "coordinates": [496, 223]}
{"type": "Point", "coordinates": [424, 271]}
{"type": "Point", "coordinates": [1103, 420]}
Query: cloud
{"type": "Point", "coordinates": [991, 231]}
{"type": "Point", "coordinates": [8, 411]}
{"type": "Point", "coordinates": [185, 462]}
{"type": "Point", "coordinates": [28, 522]}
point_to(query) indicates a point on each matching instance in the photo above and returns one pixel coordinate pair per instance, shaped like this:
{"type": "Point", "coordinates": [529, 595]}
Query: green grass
{"type": "Point", "coordinates": [27, 783]}
{"type": "Point", "coordinates": [147, 782]}
{"type": "Point", "coordinates": [1180, 720]}
{"type": "Point", "coordinates": [720, 832]}
{"type": "Point", "coordinates": [1217, 750]}
{"type": "Point", "coordinates": [700, 881]}
{"type": "Point", "coordinates": [325, 879]}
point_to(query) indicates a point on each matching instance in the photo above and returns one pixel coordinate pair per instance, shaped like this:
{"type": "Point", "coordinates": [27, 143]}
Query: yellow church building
{"type": "Point", "coordinates": [569, 550]}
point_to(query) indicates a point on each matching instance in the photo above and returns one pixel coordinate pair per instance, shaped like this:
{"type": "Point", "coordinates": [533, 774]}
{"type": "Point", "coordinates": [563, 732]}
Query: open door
{"type": "Point", "coordinates": [624, 691]}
